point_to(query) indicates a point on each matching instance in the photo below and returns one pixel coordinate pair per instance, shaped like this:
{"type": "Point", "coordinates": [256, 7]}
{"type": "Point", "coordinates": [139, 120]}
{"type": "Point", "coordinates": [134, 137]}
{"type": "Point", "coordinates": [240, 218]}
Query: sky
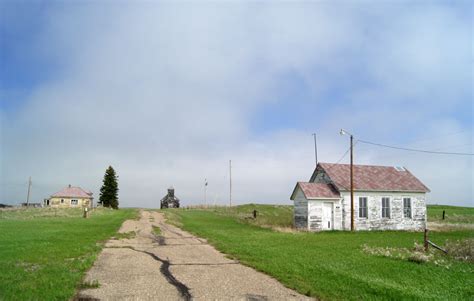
{"type": "Point", "coordinates": [168, 92]}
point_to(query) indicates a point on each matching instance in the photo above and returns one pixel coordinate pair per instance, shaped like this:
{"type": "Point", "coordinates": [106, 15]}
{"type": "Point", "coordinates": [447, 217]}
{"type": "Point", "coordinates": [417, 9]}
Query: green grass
{"type": "Point", "coordinates": [453, 214]}
{"type": "Point", "coordinates": [91, 284]}
{"type": "Point", "coordinates": [156, 230]}
{"type": "Point", "coordinates": [334, 265]}
{"type": "Point", "coordinates": [44, 253]}
{"type": "Point", "coordinates": [126, 235]}
{"type": "Point", "coordinates": [267, 215]}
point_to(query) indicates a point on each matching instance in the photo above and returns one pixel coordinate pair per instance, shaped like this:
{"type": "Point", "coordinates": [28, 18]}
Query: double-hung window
{"type": "Point", "coordinates": [363, 207]}
{"type": "Point", "coordinates": [386, 207]}
{"type": "Point", "coordinates": [407, 207]}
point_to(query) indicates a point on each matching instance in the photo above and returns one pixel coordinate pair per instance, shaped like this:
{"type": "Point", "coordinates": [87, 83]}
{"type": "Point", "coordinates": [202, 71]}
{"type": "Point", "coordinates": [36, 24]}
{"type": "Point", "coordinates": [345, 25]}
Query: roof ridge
{"type": "Point", "coordinates": [388, 166]}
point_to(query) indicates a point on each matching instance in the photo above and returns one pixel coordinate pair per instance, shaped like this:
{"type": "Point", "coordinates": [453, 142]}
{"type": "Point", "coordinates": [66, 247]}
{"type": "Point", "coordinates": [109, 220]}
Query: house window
{"type": "Point", "coordinates": [386, 207]}
{"type": "Point", "coordinates": [62, 201]}
{"type": "Point", "coordinates": [73, 202]}
{"type": "Point", "coordinates": [363, 207]}
{"type": "Point", "coordinates": [407, 207]}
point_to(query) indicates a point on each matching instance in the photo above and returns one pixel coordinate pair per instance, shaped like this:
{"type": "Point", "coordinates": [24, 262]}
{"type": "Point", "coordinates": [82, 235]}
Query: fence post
{"type": "Point", "coordinates": [443, 214]}
{"type": "Point", "coordinates": [426, 240]}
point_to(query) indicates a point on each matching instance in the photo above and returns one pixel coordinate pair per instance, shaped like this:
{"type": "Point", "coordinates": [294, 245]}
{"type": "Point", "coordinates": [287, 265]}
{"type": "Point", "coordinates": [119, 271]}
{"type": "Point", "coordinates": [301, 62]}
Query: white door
{"type": "Point", "coordinates": [327, 216]}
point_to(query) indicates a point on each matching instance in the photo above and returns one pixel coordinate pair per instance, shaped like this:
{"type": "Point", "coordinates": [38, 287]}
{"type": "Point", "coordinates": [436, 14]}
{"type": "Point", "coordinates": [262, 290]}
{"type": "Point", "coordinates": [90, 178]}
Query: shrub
{"type": "Point", "coordinates": [419, 257]}
{"type": "Point", "coordinates": [461, 249]}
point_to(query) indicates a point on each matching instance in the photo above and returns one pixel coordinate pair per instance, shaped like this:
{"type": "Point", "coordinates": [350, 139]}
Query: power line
{"type": "Point", "coordinates": [337, 162]}
{"type": "Point", "coordinates": [452, 146]}
{"type": "Point", "coordinates": [347, 151]}
{"type": "Point", "coordinates": [416, 150]}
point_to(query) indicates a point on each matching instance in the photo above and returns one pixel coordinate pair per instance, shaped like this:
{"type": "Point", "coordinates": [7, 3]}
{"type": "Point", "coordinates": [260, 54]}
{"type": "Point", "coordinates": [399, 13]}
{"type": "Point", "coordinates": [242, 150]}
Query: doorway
{"type": "Point", "coordinates": [328, 216]}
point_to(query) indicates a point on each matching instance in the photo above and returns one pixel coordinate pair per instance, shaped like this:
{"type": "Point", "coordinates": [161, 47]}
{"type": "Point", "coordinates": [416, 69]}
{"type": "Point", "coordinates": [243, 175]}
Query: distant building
{"type": "Point", "coordinates": [70, 197]}
{"type": "Point", "coordinates": [385, 198]}
{"type": "Point", "coordinates": [33, 205]}
{"type": "Point", "coordinates": [170, 200]}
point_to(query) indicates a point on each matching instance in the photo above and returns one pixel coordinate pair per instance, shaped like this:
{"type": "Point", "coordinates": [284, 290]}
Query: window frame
{"type": "Point", "coordinates": [74, 202]}
{"type": "Point", "coordinates": [410, 216]}
{"type": "Point", "coordinates": [366, 207]}
{"type": "Point", "coordinates": [388, 208]}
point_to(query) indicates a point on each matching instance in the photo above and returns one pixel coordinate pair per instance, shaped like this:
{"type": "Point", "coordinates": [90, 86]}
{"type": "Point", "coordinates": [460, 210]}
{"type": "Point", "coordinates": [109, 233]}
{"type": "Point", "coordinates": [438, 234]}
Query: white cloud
{"type": "Point", "coordinates": [166, 94]}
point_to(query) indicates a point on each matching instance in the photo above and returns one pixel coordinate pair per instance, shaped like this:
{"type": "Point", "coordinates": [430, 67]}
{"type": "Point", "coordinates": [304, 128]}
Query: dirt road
{"type": "Point", "coordinates": [174, 266]}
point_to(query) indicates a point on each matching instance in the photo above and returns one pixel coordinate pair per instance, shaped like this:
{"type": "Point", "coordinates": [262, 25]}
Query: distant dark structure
{"type": "Point", "coordinates": [33, 205]}
{"type": "Point", "coordinates": [169, 201]}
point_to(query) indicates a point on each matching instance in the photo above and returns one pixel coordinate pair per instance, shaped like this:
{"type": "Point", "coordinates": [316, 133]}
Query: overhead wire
{"type": "Point", "coordinates": [416, 150]}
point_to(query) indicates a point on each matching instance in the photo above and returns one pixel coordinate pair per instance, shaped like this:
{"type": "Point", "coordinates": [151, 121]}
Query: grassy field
{"type": "Point", "coordinates": [281, 216]}
{"type": "Point", "coordinates": [44, 253]}
{"type": "Point", "coordinates": [336, 265]}
{"type": "Point", "coordinates": [453, 214]}
{"type": "Point", "coordinates": [267, 215]}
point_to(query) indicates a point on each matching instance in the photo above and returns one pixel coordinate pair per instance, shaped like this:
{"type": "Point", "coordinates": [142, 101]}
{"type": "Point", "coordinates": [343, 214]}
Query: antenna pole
{"type": "Point", "coordinates": [230, 183]}
{"type": "Point", "coordinates": [29, 189]}
{"type": "Point", "coordinates": [352, 184]}
{"type": "Point", "coordinates": [315, 149]}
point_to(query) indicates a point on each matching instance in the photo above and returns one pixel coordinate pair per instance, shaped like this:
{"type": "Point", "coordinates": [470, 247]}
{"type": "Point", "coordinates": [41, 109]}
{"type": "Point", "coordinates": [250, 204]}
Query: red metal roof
{"type": "Point", "coordinates": [73, 192]}
{"type": "Point", "coordinates": [373, 178]}
{"type": "Point", "coordinates": [317, 190]}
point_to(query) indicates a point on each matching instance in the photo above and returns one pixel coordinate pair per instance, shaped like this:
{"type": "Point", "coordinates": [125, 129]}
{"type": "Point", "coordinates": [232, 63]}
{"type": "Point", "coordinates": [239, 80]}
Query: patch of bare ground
{"type": "Point", "coordinates": [442, 227]}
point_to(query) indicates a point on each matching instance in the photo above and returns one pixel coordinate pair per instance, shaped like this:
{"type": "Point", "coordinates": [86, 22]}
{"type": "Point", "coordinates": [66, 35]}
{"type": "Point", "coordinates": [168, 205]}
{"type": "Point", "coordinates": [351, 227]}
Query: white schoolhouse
{"type": "Point", "coordinates": [385, 198]}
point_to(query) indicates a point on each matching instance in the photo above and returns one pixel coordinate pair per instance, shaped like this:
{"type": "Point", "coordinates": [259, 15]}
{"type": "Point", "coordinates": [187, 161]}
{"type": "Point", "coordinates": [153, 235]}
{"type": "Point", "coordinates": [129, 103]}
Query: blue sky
{"type": "Point", "coordinates": [169, 92]}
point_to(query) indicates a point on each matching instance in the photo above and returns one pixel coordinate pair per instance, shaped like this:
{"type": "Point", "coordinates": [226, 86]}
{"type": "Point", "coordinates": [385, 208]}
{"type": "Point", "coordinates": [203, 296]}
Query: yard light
{"type": "Point", "coordinates": [344, 132]}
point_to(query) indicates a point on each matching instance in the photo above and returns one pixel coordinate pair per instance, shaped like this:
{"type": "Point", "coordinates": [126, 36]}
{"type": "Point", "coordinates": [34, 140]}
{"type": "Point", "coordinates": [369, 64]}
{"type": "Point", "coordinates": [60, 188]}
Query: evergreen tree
{"type": "Point", "coordinates": [109, 190]}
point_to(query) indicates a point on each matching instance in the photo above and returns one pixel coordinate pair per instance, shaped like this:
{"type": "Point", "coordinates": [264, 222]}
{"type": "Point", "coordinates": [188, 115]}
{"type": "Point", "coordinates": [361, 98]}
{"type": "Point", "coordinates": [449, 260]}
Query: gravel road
{"type": "Point", "coordinates": [173, 266]}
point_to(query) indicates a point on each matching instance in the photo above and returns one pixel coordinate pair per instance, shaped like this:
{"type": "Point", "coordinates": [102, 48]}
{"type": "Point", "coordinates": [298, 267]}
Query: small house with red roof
{"type": "Point", "coordinates": [70, 197]}
{"type": "Point", "coordinates": [385, 198]}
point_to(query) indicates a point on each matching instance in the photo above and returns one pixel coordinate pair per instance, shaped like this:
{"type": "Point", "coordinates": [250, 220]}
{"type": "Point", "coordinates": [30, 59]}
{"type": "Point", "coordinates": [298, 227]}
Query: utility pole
{"type": "Point", "coordinates": [352, 184]}
{"type": "Point", "coordinates": [315, 149]}
{"type": "Point", "coordinates": [230, 183]}
{"type": "Point", "coordinates": [205, 192]}
{"type": "Point", "coordinates": [343, 132]}
{"type": "Point", "coordinates": [29, 189]}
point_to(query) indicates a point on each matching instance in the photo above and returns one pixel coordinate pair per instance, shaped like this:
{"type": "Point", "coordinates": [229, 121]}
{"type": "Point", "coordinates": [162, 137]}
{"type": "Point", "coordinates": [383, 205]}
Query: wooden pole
{"type": "Point", "coordinates": [425, 238]}
{"type": "Point", "coordinates": [352, 185]}
{"type": "Point", "coordinates": [28, 196]}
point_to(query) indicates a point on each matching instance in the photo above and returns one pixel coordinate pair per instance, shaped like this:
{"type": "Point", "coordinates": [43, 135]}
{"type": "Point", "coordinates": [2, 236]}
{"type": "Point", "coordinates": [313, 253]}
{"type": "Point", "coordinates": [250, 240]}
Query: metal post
{"type": "Point", "coordinates": [352, 185]}
{"type": "Point", "coordinates": [315, 149]}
